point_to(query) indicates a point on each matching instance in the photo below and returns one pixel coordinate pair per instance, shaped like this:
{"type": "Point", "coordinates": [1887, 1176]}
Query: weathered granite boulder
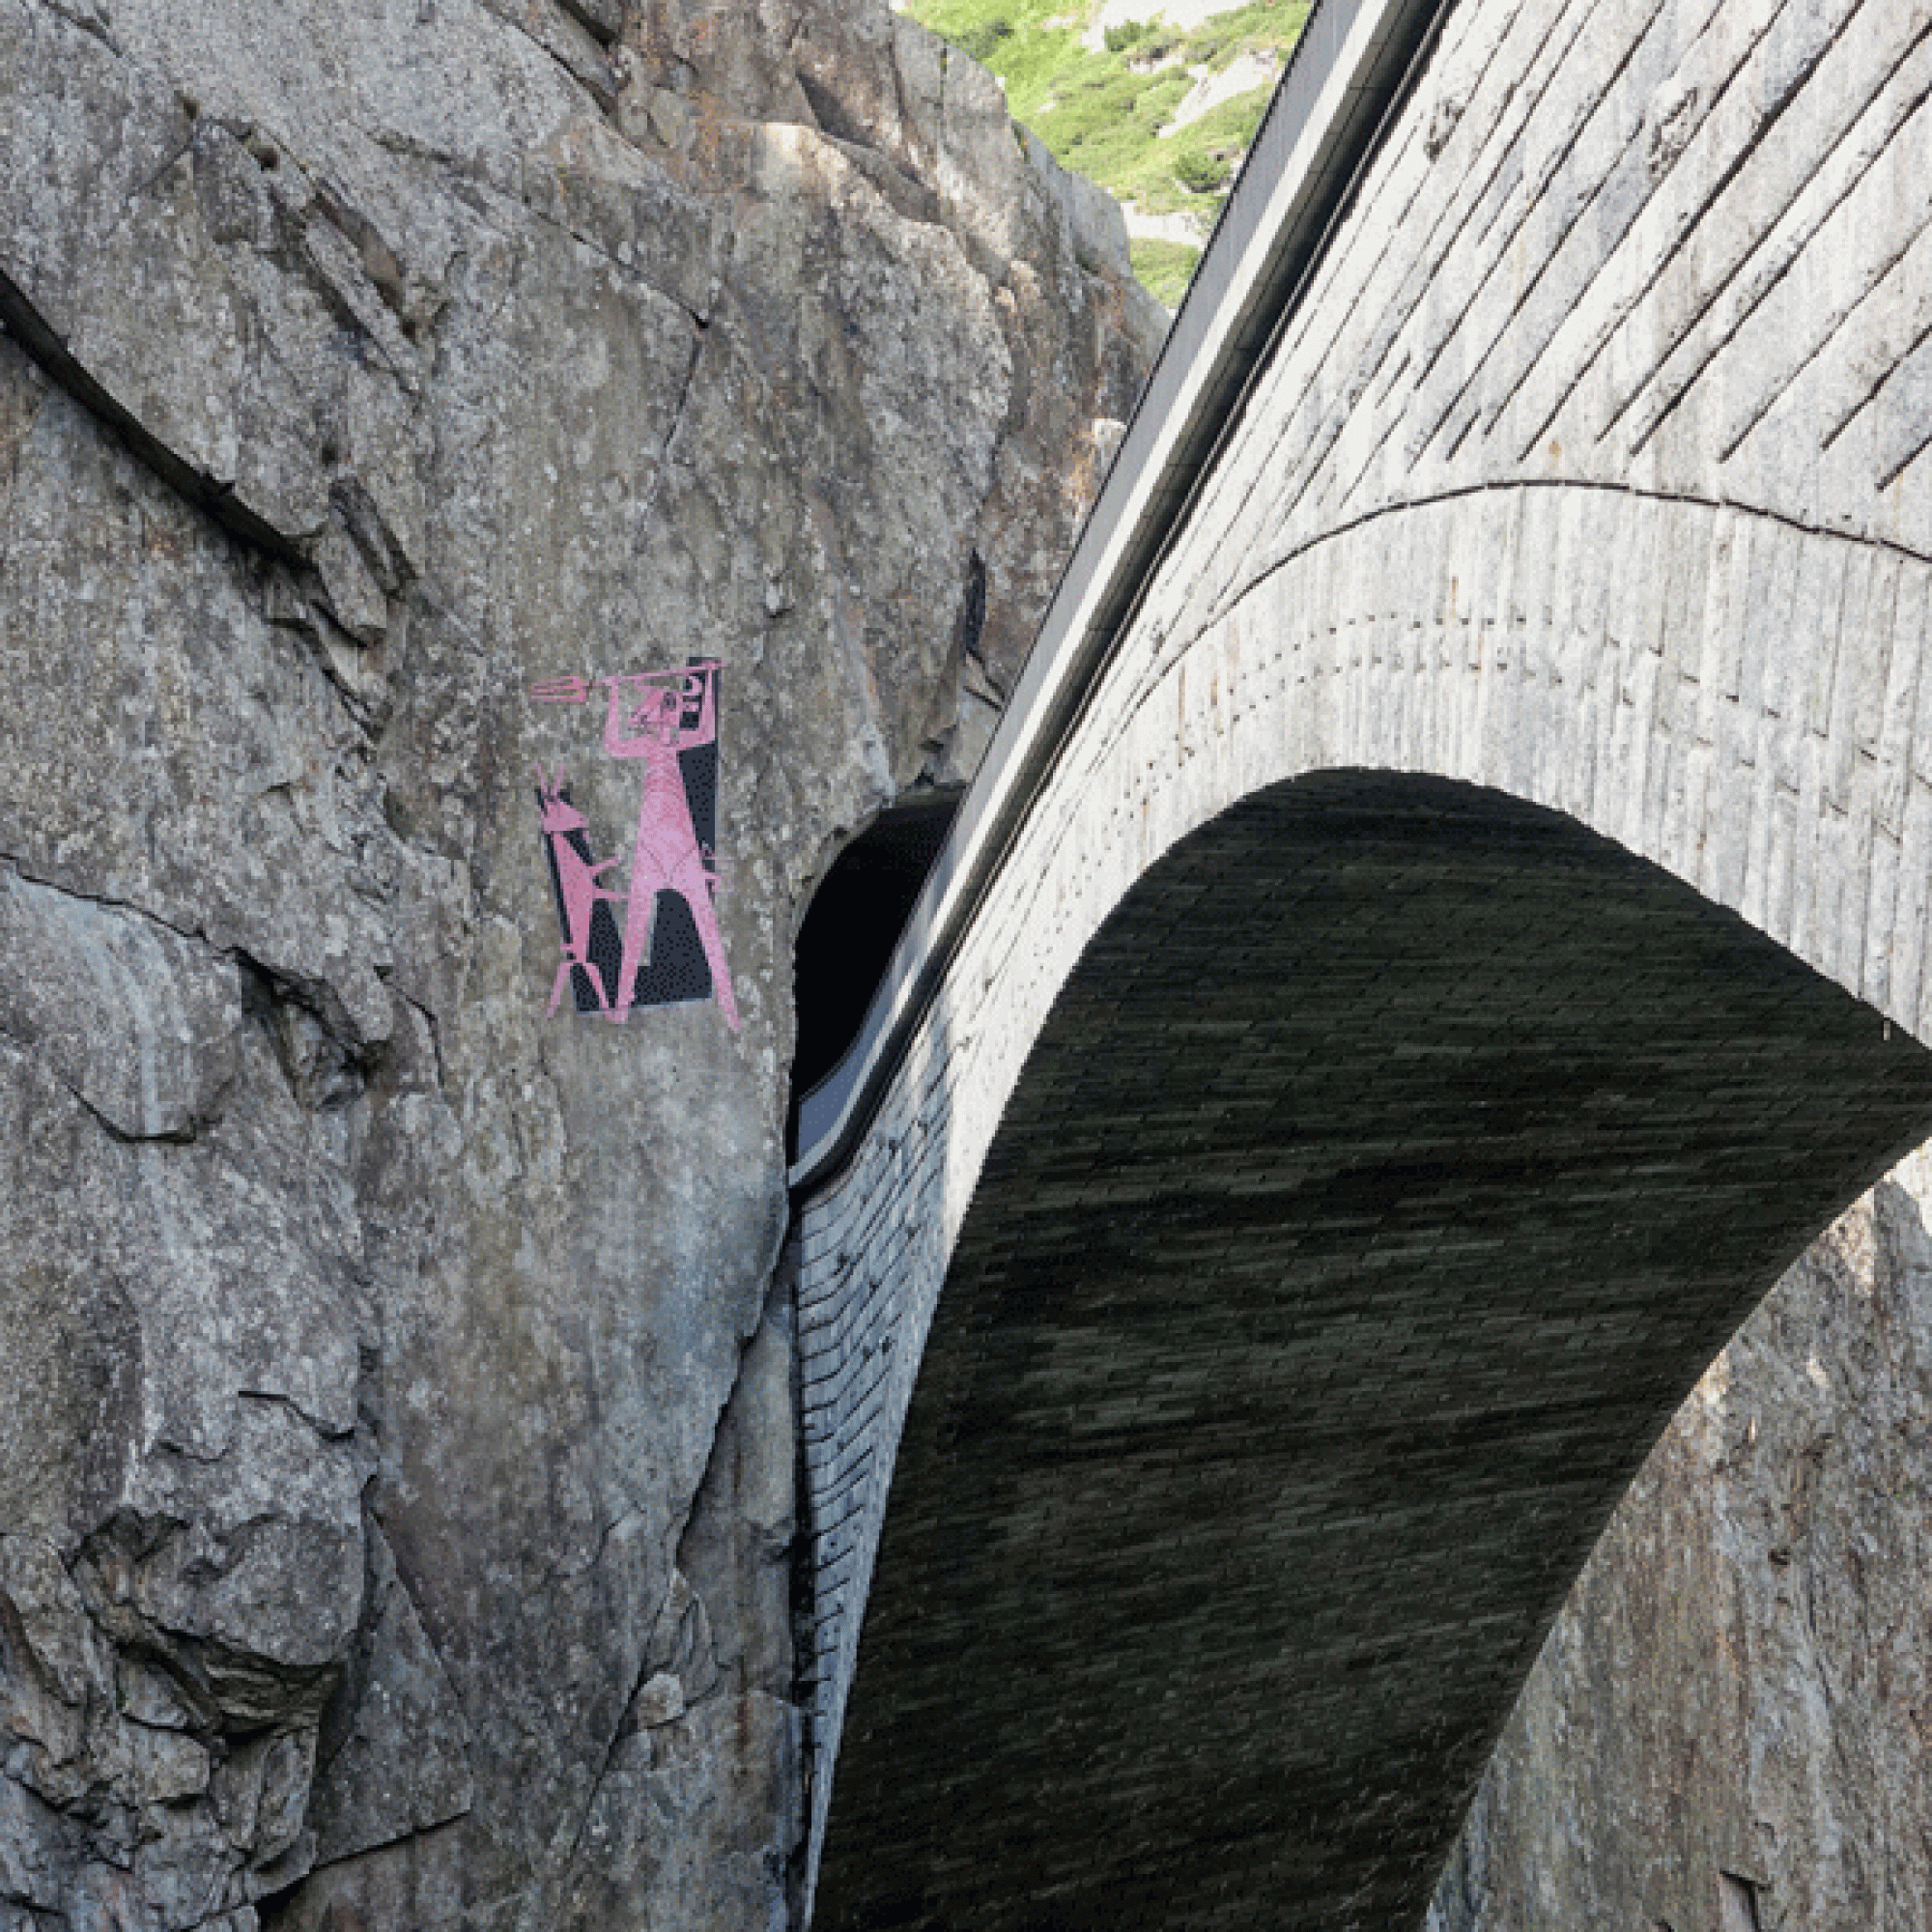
{"type": "Point", "coordinates": [395, 1378]}
{"type": "Point", "coordinates": [1727, 1729]}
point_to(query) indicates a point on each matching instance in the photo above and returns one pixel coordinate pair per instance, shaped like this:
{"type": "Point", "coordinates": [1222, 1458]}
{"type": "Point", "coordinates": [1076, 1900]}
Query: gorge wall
{"type": "Point", "coordinates": [395, 1377]}
{"type": "Point", "coordinates": [1727, 1729]}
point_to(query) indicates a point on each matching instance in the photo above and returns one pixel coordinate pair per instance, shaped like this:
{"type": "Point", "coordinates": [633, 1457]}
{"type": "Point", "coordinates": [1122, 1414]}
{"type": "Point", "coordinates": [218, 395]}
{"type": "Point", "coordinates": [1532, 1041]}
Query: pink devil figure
{"type": "Point", "coordinates": [578, 887]}
{"type": "Point", "coordinates": [646, 721]}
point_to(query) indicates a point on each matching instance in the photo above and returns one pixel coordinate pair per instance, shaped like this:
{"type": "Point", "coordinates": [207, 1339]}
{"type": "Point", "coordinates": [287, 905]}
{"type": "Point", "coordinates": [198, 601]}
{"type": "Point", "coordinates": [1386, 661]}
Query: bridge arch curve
{"type": "Point", "coordinates": [1386, 1170]}
{"type": "Point", "coordinates": [1575, 467]}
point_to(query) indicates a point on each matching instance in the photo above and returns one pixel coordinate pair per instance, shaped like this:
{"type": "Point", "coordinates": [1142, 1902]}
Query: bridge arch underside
{"type": "Point", "coordinates": [1392, 1163]}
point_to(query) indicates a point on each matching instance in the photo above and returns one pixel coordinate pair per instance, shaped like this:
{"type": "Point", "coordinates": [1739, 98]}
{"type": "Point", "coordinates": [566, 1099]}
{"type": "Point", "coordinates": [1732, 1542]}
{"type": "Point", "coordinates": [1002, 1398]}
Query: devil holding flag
{"type": "Point", "coordinates": [668, 947]}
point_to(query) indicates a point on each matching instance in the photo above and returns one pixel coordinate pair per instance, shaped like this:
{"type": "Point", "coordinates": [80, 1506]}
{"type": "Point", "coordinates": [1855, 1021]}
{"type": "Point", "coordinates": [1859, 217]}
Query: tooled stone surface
{"type": "Point", "coordinates": [1726, 1729]}
{"type": "Point", "coordinates": [395, 1401]}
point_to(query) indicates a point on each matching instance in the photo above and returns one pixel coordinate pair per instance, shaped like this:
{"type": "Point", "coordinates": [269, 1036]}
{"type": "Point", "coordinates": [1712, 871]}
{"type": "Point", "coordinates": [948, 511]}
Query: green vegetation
{"type": "Point", "coordinates": [1165, 267]}
{"type": "Point", "coordinates": [982, 41]}
{"type": "Point", "coordinates": [1202, 170]}
{"type": "Point", "coordinates": [1102, 110]}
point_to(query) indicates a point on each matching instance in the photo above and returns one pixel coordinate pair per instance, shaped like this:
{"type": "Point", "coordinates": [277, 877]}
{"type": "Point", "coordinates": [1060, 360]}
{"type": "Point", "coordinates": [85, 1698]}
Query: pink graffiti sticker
{"type": "Point", "coordinates": [652, 940]}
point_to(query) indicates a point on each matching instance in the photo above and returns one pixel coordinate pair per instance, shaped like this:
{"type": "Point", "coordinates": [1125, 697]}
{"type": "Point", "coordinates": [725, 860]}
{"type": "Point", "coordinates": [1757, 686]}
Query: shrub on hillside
{"type": "Point", "coordinates": [1201, 171]}
{"type": "Point", "coordinates": [981, 39]}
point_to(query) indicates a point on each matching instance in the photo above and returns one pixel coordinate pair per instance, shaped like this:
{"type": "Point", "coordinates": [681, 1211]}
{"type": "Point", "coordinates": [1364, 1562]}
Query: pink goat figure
{"type": "Point", "coordinates": [646, 721]}
{"type": "Point", "coordinates": [578, 887]}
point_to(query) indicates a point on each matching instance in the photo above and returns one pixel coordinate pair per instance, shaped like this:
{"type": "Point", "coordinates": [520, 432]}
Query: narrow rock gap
{"type": "Point", "coordinates": [854, 921]}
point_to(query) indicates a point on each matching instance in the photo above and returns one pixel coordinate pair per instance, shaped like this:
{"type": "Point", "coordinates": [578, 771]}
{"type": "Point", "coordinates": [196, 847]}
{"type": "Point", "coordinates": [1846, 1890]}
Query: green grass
{"type": "Point", "coordinates": [1101, 113]}
{"type": "Point", "coordinates": [1165, 267]}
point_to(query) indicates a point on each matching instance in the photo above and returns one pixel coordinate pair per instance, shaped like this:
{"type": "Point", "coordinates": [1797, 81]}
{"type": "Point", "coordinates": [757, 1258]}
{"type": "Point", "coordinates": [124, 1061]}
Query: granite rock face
{"type": "Point", "coordinates": [1727, 1729]}
{"type": "Point", "coordinates": [395, 1381]}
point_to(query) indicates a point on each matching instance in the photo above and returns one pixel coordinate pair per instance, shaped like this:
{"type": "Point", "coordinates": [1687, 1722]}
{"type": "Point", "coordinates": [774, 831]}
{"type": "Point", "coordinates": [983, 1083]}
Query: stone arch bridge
{"type": "Point", "coordinates": [1443, 924]}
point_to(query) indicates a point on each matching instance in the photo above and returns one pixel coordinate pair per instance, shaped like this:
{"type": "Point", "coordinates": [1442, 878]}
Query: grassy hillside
{"type": "Point", "coordinates": [1104, 101]}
